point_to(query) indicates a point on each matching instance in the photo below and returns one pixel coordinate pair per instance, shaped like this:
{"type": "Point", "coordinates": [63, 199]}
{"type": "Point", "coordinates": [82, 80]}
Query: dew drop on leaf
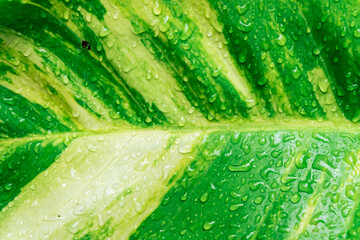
{"type": "Point", "coordinates": [296, 72]}
{"type": "Point", "coordinates": [8, 186]}
{"type": "Point", "coordinates": [281, 40]}
{"type": "Point", "coordinates": [208, 225]}
{"type": "Point", "coordinates": [204, 197]}
{"type": "Point", "coordinates": [357, 33]}
{"type": "Point", "coordinates": [295, 198]}
{"type": "Point", "coordinates": [244, 26]}
{"type": "Point", "coordinates": [316, 51]}
{"type": "Point", "coordinates": [157, 8]}
{"type": "Point", "coordinates": [350, 192]}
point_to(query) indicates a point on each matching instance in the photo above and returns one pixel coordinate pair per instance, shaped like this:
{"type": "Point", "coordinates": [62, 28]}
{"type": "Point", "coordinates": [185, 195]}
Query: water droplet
{"type": "Point", "coordinates": [245, 166]}
{"type": "Point", "coordinates": [186, 33]}
{"type": "Point", "coordinates": [350, 192]}
{"type": "Point", "coordinates": [148, 119]}
{"type": "Point", "coordinates": [305, 186]}
{"type": "Point", "coordinates": [104, 32]}
{"type": "Point", "coordinates": [8, 186]}
{"type": "Point", "coordinates": [73, 227]}
{"type": "Point", "coordinates": [184, 197]}
{"type": "Point", "coordinates": [208, 225]}
{"type": "Point", "coordinates": [322, 162]}
{"type": "Point", "coordinates": [242, 56]}
{"type": "Point", "coordinates": [88, 17]}
{"type": "Point", "coordinates": [67, 14]}
{"type": "Point", "coordinates": [281, 40]}
{"type": "Point", "coordinates": [157, 8]}
{"type": "Point", "coordinates": [212, 98]}
{"type": "Point", "coordinates": [296, 72]}
{"type": "Point", "coordinates": [259, 199]}
{"type": "Point", "coordinates": [235, 207]}
{"type": "Point", "coordinates": [185, 148]}
{"type": "Point", "coordinates": [316, 51]}
{"type": "Point", "coordinates": [242, 9]}
{"type": "Point", "coordinates": [324, 85]}
{"type": "Point", "coordinates": [28, 52]}
{"type": "Point", "coordinates": [204, 197]}
{"type": "Point", "coordinates": [357, 33]}
{"type": "Point", "coordinates": [255, 185]}
{"type": "Point", "coordinates": [301, 161]}
{"type": "Point", "coordinates": [244, 26]}
{"type": "Point", "coordinates": [295, 198]}
{"type": "Point", "coordinates": [79, 209]}
{"type": "Point", "coordinates": [320, 137]}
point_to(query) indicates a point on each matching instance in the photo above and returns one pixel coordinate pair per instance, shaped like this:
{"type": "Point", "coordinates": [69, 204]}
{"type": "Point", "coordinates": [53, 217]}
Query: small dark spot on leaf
{"type": "Point", "coordinates": [59, 216]}
{"type": "Point", "coordinates": [85, 45]}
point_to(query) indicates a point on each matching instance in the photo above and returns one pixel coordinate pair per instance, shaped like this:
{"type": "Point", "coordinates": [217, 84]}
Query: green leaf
{"type": "Point", "coordinates": [206, 119]}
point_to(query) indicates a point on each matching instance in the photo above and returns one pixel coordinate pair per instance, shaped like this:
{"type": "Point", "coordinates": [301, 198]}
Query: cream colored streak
{"type": "Point", "coordinates": [325, 95]}
{"type": "Point", "coordinates": [143, 73]}
{"type": "Point", "coordinates": [27, 87]}
{"type": "Point", "coordinates": [283, 102]}
{"type": "Point", "coordinates": [201, 13]}
{"type": "Point", "coordinates": [137, 65]}
{"type": "Point", "coordinates": [235, 77]}
{"type": "Point", "coordinates": [83, 186]}
{"type": "Point", "coordinates": [280, 101]}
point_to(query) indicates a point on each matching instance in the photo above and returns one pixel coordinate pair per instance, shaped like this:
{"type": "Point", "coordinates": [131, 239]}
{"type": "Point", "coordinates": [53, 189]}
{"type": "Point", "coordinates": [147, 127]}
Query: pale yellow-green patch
{"type": "Point", "coordinates": [224, 64]}
{"type": "Point", "coordinates": [325, 95]}
{"type": "Point", "coordinates": [29, 81]}
{"type": "Point", "coordinates": [138, 67]}
{"type": "Point", "coordinates": [279, 99]}
{"type": "Point", "coordinates": [117, 176]}
{"type": "Point", "coordinates": [210, 30]}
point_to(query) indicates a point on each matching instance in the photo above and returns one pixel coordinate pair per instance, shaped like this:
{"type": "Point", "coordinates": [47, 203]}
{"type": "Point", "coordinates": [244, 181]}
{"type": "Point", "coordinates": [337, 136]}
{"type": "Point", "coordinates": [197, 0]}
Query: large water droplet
{"type": "Point", "coordinates": [244, 26]}
{"type": "Point", "coordinates": [157, 8]}
{"type": "Point", "coordinates": [208, 225]}
{"type": "Point", "coordinates": [357, 33]}
{"type": "Point", "coordinates": [350, 192]}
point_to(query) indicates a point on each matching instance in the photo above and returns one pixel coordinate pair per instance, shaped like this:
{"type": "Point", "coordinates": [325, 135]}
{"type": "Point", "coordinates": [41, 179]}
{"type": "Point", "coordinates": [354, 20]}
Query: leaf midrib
{"type": "Point", "coordinates": [304, 125]}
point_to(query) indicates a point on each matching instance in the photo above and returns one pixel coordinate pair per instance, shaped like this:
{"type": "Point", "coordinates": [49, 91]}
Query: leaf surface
{"type": "Point", "coordinates": [180, 119]}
